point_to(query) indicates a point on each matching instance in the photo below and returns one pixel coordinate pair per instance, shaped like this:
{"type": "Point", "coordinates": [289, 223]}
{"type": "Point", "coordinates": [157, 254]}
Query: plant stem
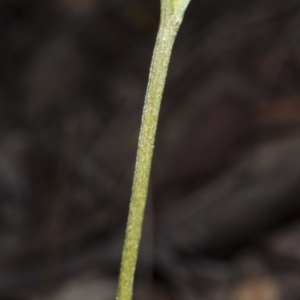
{"type": "Point", "coordinates": [169, 25]}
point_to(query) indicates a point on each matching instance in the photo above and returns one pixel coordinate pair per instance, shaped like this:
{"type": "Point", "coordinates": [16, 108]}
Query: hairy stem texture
{"type": "Point", "coordinates": [169, 25]}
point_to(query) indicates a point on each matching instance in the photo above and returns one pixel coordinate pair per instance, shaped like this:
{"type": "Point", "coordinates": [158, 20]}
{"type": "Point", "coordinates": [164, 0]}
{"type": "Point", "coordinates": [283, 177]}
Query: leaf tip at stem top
{"type": "Point", "coordinates": [176, 7]}
{"type": "Point", "coordinates": [180, 5]}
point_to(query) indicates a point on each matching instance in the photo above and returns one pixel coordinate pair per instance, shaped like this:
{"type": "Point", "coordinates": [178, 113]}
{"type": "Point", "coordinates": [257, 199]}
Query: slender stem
{"type": "Point", "coordinates": [157, 76]}
{"type": "Point", "coordinates": [169, 26]}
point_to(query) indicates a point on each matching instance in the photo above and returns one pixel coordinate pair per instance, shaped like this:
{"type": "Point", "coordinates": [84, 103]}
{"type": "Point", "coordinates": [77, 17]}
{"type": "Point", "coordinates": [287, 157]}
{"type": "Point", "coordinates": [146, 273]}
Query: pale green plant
{"type": "Point", "coordinates": [172, 12]}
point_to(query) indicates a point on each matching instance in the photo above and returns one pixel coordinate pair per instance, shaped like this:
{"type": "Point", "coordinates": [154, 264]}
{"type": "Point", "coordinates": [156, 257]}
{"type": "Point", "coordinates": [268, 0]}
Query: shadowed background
{"type": "Point", "coordinates": [222, 219]}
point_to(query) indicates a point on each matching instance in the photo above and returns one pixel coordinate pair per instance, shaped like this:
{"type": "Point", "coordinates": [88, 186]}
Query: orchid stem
{"type": "Point", "coordinates": [169, 24]}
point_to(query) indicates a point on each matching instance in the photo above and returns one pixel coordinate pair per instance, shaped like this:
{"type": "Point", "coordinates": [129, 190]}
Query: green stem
{"type": "Point", "coordinates": [168, 28]}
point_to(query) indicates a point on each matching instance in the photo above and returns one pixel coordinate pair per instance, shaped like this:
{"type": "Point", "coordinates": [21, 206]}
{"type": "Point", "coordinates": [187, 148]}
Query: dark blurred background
{"type": "Point", "coordinates": [223, 213]}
